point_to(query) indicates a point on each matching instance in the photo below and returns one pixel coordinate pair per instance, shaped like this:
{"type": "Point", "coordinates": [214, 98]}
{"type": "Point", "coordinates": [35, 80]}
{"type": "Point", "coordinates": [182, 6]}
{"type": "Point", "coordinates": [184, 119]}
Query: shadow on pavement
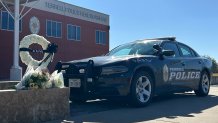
{"type": "Point", "coordinates": [169, 106]}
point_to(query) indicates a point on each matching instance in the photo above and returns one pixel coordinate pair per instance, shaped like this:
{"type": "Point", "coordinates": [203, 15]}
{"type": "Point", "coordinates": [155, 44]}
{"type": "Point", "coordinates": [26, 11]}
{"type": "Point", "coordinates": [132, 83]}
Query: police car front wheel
{"type": "Point", "coordinates": [204, 85]}
{"type": "Point", "coordinates": [141, 89]}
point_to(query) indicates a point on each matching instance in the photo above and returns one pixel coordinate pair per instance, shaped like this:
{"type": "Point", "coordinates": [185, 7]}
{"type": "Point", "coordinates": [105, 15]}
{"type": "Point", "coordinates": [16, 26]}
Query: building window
{"type": "Point", "coordinates": [53, 29]}
{"type": "Point", "coordinates": [7, 22]}
{"type": "Point", "coordinates": [100, 37]}
{"type": "Point", "coordinates": [73, 32]}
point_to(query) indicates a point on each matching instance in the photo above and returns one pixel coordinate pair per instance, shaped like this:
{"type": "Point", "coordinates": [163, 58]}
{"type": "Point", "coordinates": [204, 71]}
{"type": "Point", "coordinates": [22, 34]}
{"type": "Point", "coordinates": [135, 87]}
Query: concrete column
{"type": "Point", "coordinates": [16, 70]}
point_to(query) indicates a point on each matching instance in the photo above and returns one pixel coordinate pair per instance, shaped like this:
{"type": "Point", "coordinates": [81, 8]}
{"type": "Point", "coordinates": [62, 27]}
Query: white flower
{"type": "Point", "coordinates": [47, 84]}
{"type": "Point", "coordinates": [57, 79]}
{"type": "Point", "coordinates": [58, 83]}
{"type": "Point", "coordinates": [34, 74]}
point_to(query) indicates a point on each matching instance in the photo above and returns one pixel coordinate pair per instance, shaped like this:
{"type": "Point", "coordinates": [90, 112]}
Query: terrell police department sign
{"type": "Point", "coordinates": [66, 9]}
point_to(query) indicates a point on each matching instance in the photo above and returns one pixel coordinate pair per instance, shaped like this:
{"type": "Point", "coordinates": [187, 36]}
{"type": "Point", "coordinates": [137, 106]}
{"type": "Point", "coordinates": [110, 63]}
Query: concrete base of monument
{"type": "Point", "coordinates": [4, 85]}
{"type": "Point", "coordinates": [15, 73]}
{"type": "Point", "coordinates": [34, 106]}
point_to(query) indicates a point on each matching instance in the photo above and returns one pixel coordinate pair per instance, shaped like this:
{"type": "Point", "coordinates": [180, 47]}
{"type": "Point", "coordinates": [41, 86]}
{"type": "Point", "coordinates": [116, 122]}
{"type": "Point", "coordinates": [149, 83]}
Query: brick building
{"type": "Point", "coordinates": [78, 32]}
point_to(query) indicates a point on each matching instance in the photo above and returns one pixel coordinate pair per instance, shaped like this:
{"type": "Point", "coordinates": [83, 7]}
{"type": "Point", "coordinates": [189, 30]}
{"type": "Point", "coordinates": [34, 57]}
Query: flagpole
{"type": "Point", "coordinates": [16, 71]}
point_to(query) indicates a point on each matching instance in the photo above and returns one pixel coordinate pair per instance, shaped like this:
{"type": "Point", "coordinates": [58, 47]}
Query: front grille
{"type": "Point", "coordinates": [82, 69]}
{"type": "Point", "coordinates": [75, 68]}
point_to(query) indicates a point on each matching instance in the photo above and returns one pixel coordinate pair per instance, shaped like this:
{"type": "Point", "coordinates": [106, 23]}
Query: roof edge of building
{"type": "Point", "coordinates": [70, 10]}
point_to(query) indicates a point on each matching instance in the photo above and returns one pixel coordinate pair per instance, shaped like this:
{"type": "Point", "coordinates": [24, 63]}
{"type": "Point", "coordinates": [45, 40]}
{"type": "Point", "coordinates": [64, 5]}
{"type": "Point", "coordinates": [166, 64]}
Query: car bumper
{"type": "Point", "coordinates": [102, 86]}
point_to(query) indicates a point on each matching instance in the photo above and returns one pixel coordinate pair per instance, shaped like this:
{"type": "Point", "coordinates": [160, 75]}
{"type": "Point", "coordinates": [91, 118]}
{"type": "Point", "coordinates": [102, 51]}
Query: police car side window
{"type": "Point", "coordinates": [186, 51]}
{"type": "Point", "coordinates": [193, 53]}
{"type": "Point", "coordinates": [171, 46]}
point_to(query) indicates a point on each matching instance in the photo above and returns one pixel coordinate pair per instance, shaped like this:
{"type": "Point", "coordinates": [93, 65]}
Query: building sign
{"type": "Point", "coordinates": [77, 12]}
{"type": "Point", "coordinates": [66, 9]}
{"type": "Point", "coordinates": [34, 25]}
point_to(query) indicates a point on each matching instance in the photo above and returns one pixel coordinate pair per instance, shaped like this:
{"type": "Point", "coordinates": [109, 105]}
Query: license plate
{"type": "Point", "coordinates": [76, 83]}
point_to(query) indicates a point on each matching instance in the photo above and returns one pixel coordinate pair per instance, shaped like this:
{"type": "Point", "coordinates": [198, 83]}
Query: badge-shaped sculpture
{"type": "Point", "coordinates": [48, 49]}
{"type": "Point", "coordinates": [37, 75]}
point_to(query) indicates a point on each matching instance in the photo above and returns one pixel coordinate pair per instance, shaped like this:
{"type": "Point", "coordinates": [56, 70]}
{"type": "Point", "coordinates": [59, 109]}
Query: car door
{"type": "Point", "coordinates": [172, 67]}
{"type": "Point", "coordinates": [192, 66]}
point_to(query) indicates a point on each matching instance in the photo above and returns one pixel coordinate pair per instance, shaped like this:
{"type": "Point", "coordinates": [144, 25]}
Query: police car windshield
{"type": "Point", "coordinates": [136, 48]}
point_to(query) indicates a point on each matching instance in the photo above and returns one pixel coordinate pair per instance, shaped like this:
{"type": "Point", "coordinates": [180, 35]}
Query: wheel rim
{"type": "Point", "coordinates": [205, 83]}
{"type": "Point", "coordinates": [143, 89]}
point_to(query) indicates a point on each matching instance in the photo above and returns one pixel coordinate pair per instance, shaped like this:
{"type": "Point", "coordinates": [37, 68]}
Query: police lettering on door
{"type": "Point", "coordinates": [170, 74]}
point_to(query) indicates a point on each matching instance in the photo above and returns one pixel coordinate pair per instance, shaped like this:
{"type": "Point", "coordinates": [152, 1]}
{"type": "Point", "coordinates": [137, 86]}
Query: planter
{"type": "Point", "coordinates": [214, 80]}
{"type": "Point", "coordinates": [33, 106]}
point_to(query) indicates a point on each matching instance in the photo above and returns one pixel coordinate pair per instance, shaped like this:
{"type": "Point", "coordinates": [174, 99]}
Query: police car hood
{"type": "Point", "coordinates": [103, 60]}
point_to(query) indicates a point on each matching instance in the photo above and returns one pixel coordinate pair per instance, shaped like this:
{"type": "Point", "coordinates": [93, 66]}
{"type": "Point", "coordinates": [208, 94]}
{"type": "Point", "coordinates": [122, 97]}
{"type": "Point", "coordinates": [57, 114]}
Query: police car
{"type": "Point", "coordinates": [139, 70]}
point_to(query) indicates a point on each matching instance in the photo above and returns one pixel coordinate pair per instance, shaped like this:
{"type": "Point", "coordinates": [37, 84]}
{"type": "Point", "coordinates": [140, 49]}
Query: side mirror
{"type": "Point", "coordinates": [168, 52]}
{"type": "Point", "coordinates": [162, 52]}
{"type": "Point", "coordinates": [157, 47]}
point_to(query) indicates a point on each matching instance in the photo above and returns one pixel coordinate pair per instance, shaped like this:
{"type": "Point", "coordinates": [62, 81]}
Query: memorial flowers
{"type": "Point", "coordinates": [40, 79]}
{"type": "Point", "coordinates": [37, 75]}
{"type": "Point", "coordinates": [25, 57]}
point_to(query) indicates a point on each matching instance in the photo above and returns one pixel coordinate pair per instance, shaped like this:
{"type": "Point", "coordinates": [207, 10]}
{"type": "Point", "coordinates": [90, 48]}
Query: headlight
{"type": "Point", "coordinates": [82, 71]}
{"type": "Point", "coordinates": [114, 70]}
{"type": "Point", "coordinates": [63, 71]}
{"type": "Point", "coordinates": [65, 66]}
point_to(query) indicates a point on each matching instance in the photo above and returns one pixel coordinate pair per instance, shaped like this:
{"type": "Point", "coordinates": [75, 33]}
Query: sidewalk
{"type": "Point", "coordinates": [7, 84]}
{"type": "Point", "coordinates": [179, 108]}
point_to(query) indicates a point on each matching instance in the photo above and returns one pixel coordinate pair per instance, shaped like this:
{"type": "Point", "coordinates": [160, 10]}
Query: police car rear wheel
{"type": "Point", "coordinates": [142, 89]}
{"type": "Point", "coordinates": [204, 85]}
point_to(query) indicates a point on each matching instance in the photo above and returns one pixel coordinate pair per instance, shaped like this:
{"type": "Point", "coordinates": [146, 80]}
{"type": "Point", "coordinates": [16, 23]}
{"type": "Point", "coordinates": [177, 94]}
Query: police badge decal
{"type": "Point", "coordinates": [165, 73]}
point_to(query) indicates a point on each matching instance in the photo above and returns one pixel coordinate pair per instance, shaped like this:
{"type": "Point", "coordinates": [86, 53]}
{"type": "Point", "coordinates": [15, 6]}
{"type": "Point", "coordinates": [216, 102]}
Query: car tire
{"type": "Point", "coordinates": [142, 88]}
{"type": "Point", "coordinates": [204, 85]}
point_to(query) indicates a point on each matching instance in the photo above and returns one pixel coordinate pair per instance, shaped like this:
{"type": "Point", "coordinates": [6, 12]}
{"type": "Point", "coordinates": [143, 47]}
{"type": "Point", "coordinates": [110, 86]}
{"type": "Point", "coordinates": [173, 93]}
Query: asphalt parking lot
{"type": "Point", "coordinates": [176, 108]}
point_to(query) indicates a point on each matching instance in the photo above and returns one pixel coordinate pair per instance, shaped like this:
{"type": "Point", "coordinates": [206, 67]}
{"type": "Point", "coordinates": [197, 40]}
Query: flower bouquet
{"type": "Point", "coordinates": [37, 75]}
{"type": "Point", "coordinates": [40, 78]}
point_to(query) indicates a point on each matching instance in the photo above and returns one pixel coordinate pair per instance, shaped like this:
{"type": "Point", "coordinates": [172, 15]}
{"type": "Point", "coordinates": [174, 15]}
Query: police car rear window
{"type": "Point", "coordinates": [186, 51]}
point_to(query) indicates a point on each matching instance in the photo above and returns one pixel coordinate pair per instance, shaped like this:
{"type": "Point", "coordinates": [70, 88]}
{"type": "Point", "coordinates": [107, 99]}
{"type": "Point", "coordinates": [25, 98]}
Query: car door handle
{"type": "Point", "coordinates": [199, 62]}
{"type": "Point", "coordinates": [183, 63]}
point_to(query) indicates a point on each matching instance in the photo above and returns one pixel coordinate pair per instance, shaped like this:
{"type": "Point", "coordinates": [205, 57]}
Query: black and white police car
{"type": "Point", "coordinates": [139, 70]}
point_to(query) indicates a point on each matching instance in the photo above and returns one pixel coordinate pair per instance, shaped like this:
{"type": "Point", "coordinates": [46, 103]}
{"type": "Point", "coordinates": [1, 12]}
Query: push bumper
{"type": "Point", "coordinates": [93, 85]}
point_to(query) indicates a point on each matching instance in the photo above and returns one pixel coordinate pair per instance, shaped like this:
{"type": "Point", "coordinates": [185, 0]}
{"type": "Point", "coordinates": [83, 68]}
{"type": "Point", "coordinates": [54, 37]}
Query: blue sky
{"type": "Point", "coordinates": [193, 22]}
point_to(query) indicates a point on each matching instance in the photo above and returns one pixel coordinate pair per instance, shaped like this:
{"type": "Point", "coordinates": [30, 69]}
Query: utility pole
{"type": "Point", "coordinates": [16, 70]}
